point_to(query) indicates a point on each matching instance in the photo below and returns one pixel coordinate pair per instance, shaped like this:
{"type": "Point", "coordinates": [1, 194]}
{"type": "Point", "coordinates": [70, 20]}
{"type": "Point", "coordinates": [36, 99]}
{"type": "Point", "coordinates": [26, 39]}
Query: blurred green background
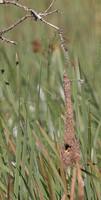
{"type": "Point", "coordinates": [32, 100]}
{"type": "Point", "coordinates": [81, 23]}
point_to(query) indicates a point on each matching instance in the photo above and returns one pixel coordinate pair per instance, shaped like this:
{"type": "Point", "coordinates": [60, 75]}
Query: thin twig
{"type": "Point", "coordinates": [15, 24]}
{"type": "Point", "coordinates": [48, 13]}
{"type": "Point", "coordinates": [50, 6]}
{"type": "Point", "coordinates": [25, 8]}
{"type": "Point", "coordinates": [52, 25]}
{"type": "Point", "coordinates": [7, 40]}
{"type": "Point", "coordinates": [15, 4]}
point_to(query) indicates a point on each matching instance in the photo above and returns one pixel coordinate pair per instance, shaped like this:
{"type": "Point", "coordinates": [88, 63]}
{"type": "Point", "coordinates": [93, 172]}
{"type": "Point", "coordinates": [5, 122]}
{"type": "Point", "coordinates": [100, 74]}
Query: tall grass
{"type": "Point", "coordinates": [32, 104]}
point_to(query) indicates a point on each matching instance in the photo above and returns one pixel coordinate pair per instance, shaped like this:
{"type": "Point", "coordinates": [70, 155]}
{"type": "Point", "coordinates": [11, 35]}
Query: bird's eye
{"type": "Point", "coordinates": [67, 146]}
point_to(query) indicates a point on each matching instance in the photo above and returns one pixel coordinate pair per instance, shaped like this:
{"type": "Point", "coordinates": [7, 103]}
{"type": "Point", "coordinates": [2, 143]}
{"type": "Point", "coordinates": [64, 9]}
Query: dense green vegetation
{"type": "Point", "coordinates": [32, 101]}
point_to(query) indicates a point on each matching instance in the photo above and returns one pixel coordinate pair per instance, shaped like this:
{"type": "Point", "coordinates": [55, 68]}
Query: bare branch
{"type": "Point", "coordinates": [7, 40]}
{"type": "Point", "coordinates": [48, 13]}
{"type": "Point", "coordinates": [36, 16]}
{"type": "Point", "coordinates": [15, 4]}
{"type": "Point", "coordinates": [32, 13]}
{"type": "Point", "coordinates": [52, 25]}
{"type": "Point", "coordinates": [15, 24]}
{"type": "Point", "coordinates": [50, 6]}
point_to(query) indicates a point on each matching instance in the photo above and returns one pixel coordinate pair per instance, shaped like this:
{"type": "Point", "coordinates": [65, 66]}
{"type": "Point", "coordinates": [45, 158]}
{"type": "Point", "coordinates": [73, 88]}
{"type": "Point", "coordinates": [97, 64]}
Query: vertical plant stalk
{"type": "Point", "coordinates": [80, 183]}
{"type": "Point", "coordinates": [70, 152]}
{"type": "Point", "coordinates": [73, 182]}
{"type": "Point", "coordinates": [64, 47]}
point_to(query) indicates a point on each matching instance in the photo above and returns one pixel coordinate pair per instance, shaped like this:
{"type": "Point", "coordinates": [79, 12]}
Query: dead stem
{"type": "Point", "coordinates": [80, 183]}
{"type": "Point", "coordinates": [73, 185]}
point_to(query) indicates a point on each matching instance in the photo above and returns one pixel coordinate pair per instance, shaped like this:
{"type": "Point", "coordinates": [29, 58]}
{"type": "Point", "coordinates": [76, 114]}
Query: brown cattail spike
{"type": "Point", "coordinates": [70, 151]}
